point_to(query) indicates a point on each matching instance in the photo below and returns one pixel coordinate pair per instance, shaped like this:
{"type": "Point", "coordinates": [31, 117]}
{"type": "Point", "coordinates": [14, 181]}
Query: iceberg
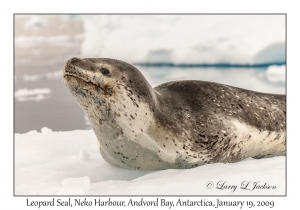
{"type": "Point", "coordinates": [186, 39]}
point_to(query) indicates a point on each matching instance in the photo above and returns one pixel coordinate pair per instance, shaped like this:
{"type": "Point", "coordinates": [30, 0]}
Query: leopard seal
{"type": "Point", "coordinates": [178, 124]}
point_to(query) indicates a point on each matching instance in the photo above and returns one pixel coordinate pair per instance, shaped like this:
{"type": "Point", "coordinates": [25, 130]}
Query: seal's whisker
{"type": "Point", "coordinates": [107, 109]}
{"type": "Point", "coordinates": [112, 87]}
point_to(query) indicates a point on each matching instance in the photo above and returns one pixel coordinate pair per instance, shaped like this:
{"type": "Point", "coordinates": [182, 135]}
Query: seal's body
{"type": "Point", "coordinates": [179, 124]}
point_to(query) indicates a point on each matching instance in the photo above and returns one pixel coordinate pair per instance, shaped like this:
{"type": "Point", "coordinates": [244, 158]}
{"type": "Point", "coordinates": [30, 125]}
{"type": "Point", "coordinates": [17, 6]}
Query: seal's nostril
{"type": "Point", "coordinates": [75, 61]}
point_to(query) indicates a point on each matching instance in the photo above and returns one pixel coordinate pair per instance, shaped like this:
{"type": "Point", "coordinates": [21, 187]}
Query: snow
{"type": "Point", "coordinates": [276, 73]}
{"type": "Point", "coordinates": [32, 78]}
{"type": "Point", "coordinates": [75, 186]}
{"type": "Point", "coordinates": [35, 21]}
{"type": "Point", "coordinates": [59, 40]}
{"type": "Point", "coordinates": [186, 39]}
{"type": "Point", "coordinates": [46, 130]}
{"type": "Point", "coordinates": [83, 155]}
{"type": "Point", "coordinates": [55, 75]}
{"type": "Point", "coordinates": [69, 163]}
{"type": "Point", "coordinates": [36, 94]}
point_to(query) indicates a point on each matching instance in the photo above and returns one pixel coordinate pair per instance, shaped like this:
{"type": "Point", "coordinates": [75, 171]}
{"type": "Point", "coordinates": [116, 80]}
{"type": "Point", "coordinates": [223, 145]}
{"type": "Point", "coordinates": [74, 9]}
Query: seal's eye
{"type": "Point", "coordinates": [104, 71]}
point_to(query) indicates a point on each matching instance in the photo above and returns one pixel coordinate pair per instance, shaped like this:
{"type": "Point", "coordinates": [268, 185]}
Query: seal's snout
{"type": "Point", "coordinates": [80, 69]}
{"type": "Point", "coordinates": [72, 65]}
{"type": "Point", "coordinates": [69, 67]}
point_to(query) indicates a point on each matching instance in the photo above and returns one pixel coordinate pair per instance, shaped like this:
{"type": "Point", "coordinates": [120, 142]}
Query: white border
{"type": "Point", "coordinates": [154, 6]}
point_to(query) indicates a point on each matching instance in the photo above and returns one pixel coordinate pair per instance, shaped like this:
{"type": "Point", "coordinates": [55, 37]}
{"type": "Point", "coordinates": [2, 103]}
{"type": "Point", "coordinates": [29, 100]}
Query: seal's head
{"type": "Point", "coordinates": [90, 74]}
{"type": "Point", "coordinates": [96, 80]}
{"type": "Point", "coordinates": [119, 103]}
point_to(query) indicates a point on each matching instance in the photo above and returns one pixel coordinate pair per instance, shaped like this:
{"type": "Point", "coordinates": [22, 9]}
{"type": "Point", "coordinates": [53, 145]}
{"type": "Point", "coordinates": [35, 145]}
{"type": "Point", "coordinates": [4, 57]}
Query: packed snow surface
{"type": "Point", "coordinates": [186, 39]}
{"type": "Point", "coordinates": [69, 163]}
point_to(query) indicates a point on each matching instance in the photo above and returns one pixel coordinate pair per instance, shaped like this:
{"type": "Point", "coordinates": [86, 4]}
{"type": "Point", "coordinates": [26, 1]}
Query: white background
{"type": "Point", "coordinates": [8, 201]}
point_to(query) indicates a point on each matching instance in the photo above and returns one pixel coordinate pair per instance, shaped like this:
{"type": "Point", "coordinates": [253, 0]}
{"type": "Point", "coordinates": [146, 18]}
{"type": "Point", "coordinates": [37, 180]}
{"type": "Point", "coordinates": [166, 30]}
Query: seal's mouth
{"type": "Point", "coordinates": [84, 83]}
{"type": "Point", "coordinates": [67, 75]}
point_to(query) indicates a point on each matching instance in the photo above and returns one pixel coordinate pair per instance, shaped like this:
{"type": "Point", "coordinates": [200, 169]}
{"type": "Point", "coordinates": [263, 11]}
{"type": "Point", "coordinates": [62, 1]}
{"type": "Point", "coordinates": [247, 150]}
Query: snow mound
{"type": "Point", "coordinates": [55, 75]}
{"type": "Point", "coordinates": [32, 78]}
{"type": "Point", "coordinates": [186, 39]}
{"type": "Point", "coordinates": [83, 155]}
{"type": "Point", "coordinates": [276, 73]}
{"type": "Point", "coordinates": [36, 94]}
{"type": "Point", "coordinates": [46, 130]}
{"type": "Point", "coordinates": [49, 164]}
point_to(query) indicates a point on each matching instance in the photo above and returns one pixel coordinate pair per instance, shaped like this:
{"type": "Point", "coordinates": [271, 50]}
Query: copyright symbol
{"type": "Point", "coordinates": [209, 185]}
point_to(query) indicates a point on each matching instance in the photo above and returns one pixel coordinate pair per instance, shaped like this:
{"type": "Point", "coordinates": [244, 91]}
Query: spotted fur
{"type": "Point", "coordinates": [181, 124]}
